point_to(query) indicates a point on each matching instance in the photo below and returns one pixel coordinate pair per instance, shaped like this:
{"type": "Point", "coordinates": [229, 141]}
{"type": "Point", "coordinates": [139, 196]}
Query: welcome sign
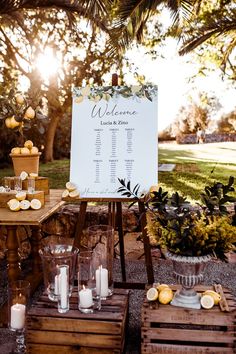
{"type": "Point", "coordinates": [114, 135]}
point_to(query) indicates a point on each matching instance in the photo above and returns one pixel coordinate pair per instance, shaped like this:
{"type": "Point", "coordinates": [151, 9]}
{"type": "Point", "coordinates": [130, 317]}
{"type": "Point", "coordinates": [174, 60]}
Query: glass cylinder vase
{"type": "Point", "coordinates": [101, 242]}
{"type": "Point", "coordinates": [54, 256]}
{"type": "Point", "coordinates": [18, 300]}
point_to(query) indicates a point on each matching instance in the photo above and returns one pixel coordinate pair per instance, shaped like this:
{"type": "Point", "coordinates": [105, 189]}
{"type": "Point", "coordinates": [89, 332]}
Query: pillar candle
{"type": "Point", "coordinates": [64, 287]}
{"type": "Point", "coordinates": [56, 284]}
{"type": "Point", "coordinates": [103, 282]}
{"type": "Point", "coordinates": [17, 316]}
{"type": "Point", "coordinates": [85, 298]}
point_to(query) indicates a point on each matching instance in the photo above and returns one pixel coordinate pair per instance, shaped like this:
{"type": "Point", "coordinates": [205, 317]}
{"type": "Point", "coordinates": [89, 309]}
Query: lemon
{"type": "Point", "coordinates": [8, 123]}
{"type": "Point", "coordinates": [15, 150]}
{"type": "Point", "coordinates": [20, 195]}
{"type": "Point", "coordinates": [70, 186]}
{"type": "Point", "coordinates": [161, 287]}
{"type": "Point", "coordinates": [33, 174]}
{"type": "Point", "coordinates": [14, 123]}
{"type": "Point", "coordinates": [20, 99]}
{"type": "Point", "coordinates": [207, 301]}
{"type": "Point", "coordinates": [165, 296]}
{"type": "Point", "coordinates": [24, 151]}
{"type": "Point", "coordinates": [74, 193]}
{"type": "Point", "coordinates": [28, 144]}
{"type": "Point", "coordinates": [152, 294]}
{"type": "Point", "coordinates": [24, 204]}
{"type": "Point", "coordinates": [14, 205]}
{"type": "Point", "coordinates": [34, 150]}
{"type": "Point", "coordinates": [23, 175]}
{"type": "Point", "coordinates": [216, 297]}
{"type": "Point", "coordinates": [35, 204]}
{"type": "Point", "coordinates": [29, 113]}
{"type": "Point", "coordinates": [65, 193]}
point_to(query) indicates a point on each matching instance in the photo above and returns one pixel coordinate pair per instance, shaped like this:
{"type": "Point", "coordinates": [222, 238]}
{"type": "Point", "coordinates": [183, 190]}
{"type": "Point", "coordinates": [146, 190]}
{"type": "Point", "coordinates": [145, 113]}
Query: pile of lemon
{"type": "Point", "coordinates": [27, 149]}
{"type": "Point", "coordinates": [71, 191]}
{"type": "Point", "coordinates": [164, 294]}
{"type": "Point", "coordinates": [21, 203]}
{"type": "Point", "coordinates": [161, 292]}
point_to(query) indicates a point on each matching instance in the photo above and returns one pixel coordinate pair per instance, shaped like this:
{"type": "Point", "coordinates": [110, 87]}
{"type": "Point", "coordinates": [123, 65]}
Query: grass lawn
{"type": "Point", "coordinates": [196, 166]}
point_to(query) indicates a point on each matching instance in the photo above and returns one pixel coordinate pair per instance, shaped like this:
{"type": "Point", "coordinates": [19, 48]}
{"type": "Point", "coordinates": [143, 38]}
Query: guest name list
{"type": "Point", "coordinates": [113, 138]}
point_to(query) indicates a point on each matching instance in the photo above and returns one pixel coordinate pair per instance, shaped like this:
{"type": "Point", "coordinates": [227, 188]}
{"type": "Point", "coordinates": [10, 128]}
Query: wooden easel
{"type": "Point", "coordinates": [115, 219]}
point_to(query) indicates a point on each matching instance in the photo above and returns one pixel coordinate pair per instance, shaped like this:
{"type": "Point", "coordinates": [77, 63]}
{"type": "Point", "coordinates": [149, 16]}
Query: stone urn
{"type": "Point", "coordinates": [188, 272]}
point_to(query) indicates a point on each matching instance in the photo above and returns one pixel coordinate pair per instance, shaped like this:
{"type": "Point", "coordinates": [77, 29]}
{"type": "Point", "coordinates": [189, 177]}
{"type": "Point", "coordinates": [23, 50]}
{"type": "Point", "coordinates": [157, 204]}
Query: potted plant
{"type": "Point", "coordinates": [19, 113]}
{"type": "Point", "coordinates": [190, 235]}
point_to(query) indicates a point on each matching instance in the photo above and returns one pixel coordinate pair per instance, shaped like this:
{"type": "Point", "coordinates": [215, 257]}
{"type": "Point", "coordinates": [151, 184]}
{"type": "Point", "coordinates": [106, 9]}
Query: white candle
{"type": "Point", "coordinates": [17, 316]}
{"type": "Point", "coordinates": [85, 298]}
{"type": "Point", "coordinates": [56, 284]}
{"type": "Point", "coordinates": [64, 287]}
{"type": "Point", "coordinates": [103, 282]}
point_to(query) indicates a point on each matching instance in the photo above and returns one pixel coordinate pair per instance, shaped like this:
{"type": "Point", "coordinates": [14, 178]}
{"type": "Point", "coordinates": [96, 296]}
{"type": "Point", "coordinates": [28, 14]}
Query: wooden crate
{"type": "Point", "coordinates": [6, 196]}
{"type": "Point", "coordinates": [167, 329]}
{"type": "Point", "coordinates": [41, 184]}
{"type": "Point", "coordinates": [101, 332]}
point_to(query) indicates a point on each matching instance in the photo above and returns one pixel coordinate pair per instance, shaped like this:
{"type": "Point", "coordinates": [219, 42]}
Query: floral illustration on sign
{"type": "Point", "coordinates": [107, 92]}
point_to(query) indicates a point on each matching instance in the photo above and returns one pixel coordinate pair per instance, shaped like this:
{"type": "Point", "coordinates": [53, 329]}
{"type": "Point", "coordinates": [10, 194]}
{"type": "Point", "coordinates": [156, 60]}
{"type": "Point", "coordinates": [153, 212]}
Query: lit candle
{"type": "Point", "coordinates": [103, 282]}
{"type": "Point", "coordinates": [64, 287]}
{"type": "Point", "coordinates": [17, 316]}
{"type": "Point", "coordinates": [85, 298]}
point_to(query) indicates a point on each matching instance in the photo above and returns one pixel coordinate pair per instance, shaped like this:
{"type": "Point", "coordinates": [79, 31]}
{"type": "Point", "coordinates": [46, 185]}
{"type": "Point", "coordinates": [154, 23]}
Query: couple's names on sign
{"type": "Point", "coordinates": [114, 135]}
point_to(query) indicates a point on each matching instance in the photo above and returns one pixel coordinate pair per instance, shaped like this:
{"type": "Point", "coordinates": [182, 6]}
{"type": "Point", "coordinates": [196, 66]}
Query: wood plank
{"type": "Point", "coordinates": [72, 325]}
{"type": "Point", "coordinates": [188, 335]}
{"type": "Point", "coordinates": [53, 349]}
{"type": "Point", "coordinates": [68, 338]}
{"type": "Point", "coordinates": [185, 349]}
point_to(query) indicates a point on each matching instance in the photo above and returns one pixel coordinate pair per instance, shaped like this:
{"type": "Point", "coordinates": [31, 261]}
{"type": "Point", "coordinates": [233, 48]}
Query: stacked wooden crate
{"type": "Point", "coordinates": [103, 332]}
{"type": "Point", "coordinates": [167, 329]}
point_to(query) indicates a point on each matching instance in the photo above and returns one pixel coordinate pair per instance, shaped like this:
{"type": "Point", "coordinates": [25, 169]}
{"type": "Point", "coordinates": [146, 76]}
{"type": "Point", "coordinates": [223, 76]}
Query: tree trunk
{"type": "Point", "coordinates": [50, 135]}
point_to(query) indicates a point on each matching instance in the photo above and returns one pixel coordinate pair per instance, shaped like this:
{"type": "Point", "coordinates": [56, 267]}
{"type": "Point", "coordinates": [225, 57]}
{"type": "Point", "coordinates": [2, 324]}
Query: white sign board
{"type": "Point", "coordinates": [114, 135]}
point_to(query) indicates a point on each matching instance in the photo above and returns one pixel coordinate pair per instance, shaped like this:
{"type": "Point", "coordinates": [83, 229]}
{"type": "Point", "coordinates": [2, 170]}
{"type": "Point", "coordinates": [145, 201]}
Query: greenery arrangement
{"type": "Point", "coordinates": [190, 230]}
{"type": "Point", "coordinates": [95, 94]}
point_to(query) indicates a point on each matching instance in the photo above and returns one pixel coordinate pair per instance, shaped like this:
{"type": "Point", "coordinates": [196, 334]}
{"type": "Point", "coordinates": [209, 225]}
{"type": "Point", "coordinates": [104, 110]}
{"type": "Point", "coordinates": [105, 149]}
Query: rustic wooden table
{"type": "Point", "coordinates": [33, 218]}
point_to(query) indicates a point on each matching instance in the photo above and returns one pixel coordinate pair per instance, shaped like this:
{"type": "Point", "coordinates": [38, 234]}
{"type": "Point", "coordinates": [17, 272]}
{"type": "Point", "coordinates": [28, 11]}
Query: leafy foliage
{"type": "Point", "coordinates": [191, 230]}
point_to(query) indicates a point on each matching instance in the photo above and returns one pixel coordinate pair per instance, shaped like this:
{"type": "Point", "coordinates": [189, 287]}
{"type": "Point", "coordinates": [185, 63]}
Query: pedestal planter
{"type": "Point", "coordinates": [28, 163]}
{"type": "Point", "coordinates": [188, 272]}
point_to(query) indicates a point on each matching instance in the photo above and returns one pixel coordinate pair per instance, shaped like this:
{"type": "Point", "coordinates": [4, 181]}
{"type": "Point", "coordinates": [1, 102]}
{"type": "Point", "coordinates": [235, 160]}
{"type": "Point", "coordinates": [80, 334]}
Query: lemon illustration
{"type": "Point", "coordinates": [165, 296]}
{"type": "Point", "coordinates": [35, 204]}
{"type": "Point", "coordinates": [152, 294]}
{"type": "Point", "coordinates": [216, 297]}
{"type": "Point", "coordinates": [207, 301]}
